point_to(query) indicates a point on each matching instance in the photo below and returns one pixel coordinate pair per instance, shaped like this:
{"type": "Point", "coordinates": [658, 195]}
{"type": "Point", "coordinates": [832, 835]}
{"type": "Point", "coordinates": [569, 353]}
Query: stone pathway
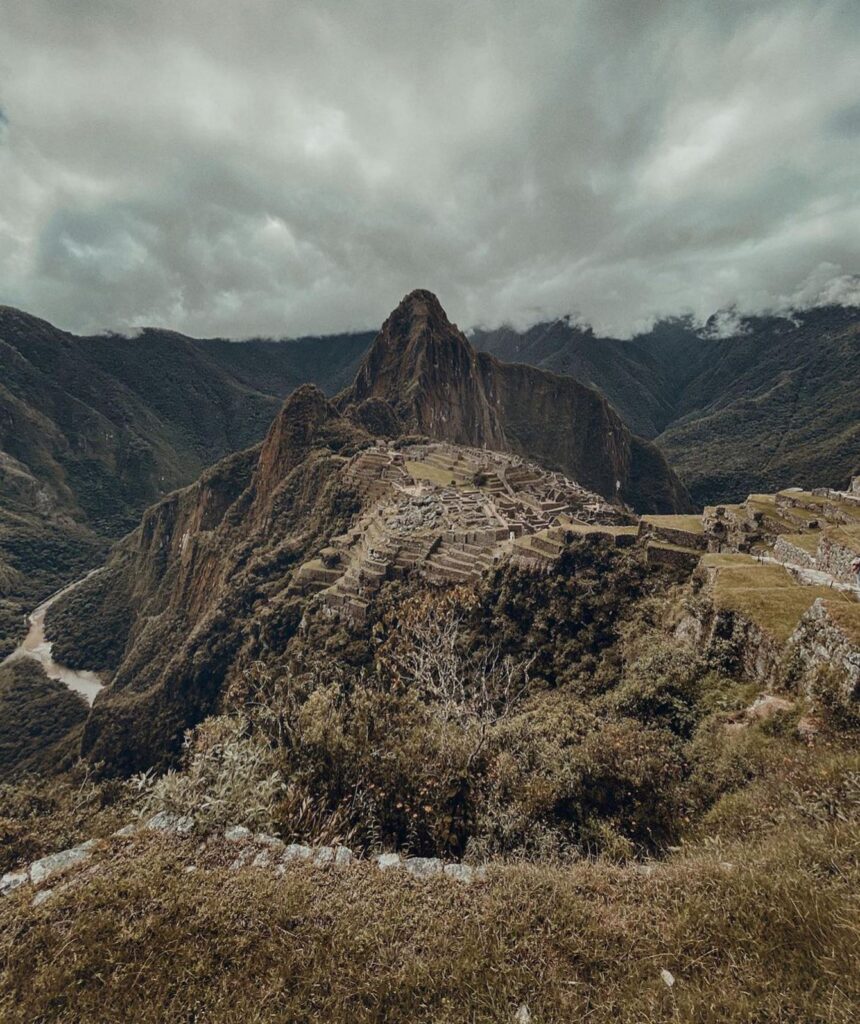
{"type": "Point", "coordinates": [252, 850]}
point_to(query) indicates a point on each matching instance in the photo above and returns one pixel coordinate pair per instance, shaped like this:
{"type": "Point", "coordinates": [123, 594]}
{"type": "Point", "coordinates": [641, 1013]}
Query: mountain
{"type": "Point", "coordinates": [771, 405]}
{"type": "Point", "coordinates": [436, 383]}
{"type": "Point", "coordinates": [94, 429]}
{"type": "Point", "coordinates": [217, 572]}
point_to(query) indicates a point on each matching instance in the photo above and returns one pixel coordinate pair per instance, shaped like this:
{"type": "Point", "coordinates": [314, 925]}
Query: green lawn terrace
{"type": "Point", "coordinates": [814, 531]}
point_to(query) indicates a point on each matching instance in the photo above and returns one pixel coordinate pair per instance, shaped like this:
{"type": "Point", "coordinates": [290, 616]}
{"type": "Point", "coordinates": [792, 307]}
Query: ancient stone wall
{"type": "Point", "coordinates": [820, 641]}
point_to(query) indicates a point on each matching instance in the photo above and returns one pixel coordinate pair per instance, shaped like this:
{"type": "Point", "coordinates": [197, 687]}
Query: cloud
{"type": "Point", "coordinates": [270, 168]}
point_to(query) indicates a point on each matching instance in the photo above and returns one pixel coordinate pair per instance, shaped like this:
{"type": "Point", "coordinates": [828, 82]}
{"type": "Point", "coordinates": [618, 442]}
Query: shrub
{"type": "Point", "coordinates": [229, 777]}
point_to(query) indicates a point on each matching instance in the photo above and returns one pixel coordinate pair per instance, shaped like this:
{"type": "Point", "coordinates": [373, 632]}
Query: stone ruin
{"type": "Point", "coordinates": [448, 513]}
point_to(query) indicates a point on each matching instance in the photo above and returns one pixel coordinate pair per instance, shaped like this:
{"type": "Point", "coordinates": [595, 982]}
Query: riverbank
{"type": "Point", "coordinates": [36, 647]}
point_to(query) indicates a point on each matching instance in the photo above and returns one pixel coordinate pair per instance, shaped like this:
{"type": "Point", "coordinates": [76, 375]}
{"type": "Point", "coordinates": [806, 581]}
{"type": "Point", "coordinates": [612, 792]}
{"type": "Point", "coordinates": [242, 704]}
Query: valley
{"type": "Point", "coordinates": [420, 648]}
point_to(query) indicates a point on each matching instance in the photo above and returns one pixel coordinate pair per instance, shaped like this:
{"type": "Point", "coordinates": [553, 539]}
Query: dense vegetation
{"type": "Point", "coordinates": [36, 714]}
{"type": "Point", "coordinates": [543, 716]}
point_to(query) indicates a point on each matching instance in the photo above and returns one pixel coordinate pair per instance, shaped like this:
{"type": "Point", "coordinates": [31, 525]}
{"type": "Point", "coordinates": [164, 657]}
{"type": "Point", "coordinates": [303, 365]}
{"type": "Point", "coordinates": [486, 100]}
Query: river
{"type": "Point", "coordinates": [35, 646]}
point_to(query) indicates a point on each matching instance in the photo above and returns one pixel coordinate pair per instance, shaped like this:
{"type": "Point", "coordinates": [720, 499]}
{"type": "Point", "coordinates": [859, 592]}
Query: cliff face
{"type": "Point", "coordinates": [205, 577]}
{"type": "Point", "coordinates": [435, 383]}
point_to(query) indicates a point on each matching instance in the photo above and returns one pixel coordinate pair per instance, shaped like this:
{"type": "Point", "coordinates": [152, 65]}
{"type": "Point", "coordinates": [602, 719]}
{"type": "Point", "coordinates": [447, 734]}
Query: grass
{"type": "Point", "coordinates": [426, 471]}
{"type": "Point", "coordinates": [767, 595]}
{"type": "Point", "coordinates": [761, 931]}
{"type": "Point", "coordinates": [846, 614]}
{"type": "Point", "coordinates": [587, 529]}
{"type": "Point", "coordinates": [688, 524]}
{"type": "Point", "coordinates": [716, 560]}
{"type": "Point", "coordinates": [665, 545]}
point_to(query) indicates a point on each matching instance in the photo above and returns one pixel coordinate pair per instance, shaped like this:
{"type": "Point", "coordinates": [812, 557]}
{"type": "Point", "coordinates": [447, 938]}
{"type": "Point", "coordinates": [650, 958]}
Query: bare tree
{"type": "Point", "coordinates": [474, 690]}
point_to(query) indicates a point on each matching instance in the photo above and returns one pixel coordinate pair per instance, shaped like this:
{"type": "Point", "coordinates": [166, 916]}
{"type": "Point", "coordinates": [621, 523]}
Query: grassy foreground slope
{"type": "Point", "coordinates": [756, 922]}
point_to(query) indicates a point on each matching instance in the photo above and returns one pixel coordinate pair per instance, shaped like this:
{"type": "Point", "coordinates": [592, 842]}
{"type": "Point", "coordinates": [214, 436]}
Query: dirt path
{"type": "Point", "coordinates": [35, 646]}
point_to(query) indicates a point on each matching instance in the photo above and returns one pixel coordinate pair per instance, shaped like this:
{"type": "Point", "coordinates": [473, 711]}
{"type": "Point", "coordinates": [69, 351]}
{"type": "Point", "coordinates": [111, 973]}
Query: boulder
{"type": "Point", "coordinates": [167, 821]}
{"type": "Point", "coordinates": [12, 880]}
{"type": "Point", "coordinates": [424, 867]}
{"type": "Point", "coordinates": [58, 863]}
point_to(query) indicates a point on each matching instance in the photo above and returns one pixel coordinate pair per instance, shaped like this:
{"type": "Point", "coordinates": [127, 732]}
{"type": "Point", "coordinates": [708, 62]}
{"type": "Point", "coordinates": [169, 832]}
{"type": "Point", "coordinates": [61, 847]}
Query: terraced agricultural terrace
{"type": "Point", "coordinates": [449, 513]}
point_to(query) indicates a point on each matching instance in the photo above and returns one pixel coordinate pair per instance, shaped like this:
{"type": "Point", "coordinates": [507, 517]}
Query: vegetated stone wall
{"type": "Point", "coordinates": [236, 847]}
{"type": "Point", "coordinates": [820, 641]}
{"type": "Point", "coordinates": [785, 551]}
{"type": "Point", "coordinates": [835, 555]}
{"type": "Point", "coordinates": [731, 639]}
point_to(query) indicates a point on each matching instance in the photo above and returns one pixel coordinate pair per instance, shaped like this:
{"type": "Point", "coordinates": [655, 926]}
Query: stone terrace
{"type": "Point", "coordinates": [447, 513]}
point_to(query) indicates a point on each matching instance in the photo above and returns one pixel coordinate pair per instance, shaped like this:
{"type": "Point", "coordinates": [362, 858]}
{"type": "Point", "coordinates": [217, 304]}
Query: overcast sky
{"type": "Point", "coordinates": [281, 167]}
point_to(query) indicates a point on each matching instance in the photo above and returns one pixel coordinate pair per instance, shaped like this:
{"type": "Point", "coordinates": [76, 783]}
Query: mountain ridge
{"type": "Point", "coordinates": [436, 383]}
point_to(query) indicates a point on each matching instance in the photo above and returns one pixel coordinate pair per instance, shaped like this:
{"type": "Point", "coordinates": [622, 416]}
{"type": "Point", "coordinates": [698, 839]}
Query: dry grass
{"type": "Point", "coordinates": [714, 560]}
{"type": "Point", "coordinates": [769, 937]}
{"type": "Point", "coordinates": [689, 524]}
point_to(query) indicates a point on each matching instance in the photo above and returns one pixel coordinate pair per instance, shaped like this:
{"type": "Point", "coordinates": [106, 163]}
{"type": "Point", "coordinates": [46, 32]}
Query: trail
{"type": "Point", "coordinates": [36, 647]}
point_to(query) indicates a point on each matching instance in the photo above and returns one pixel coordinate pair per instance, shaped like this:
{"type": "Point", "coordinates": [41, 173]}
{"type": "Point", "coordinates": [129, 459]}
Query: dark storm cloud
{"type": "Point", "coordinates": [227, 168]}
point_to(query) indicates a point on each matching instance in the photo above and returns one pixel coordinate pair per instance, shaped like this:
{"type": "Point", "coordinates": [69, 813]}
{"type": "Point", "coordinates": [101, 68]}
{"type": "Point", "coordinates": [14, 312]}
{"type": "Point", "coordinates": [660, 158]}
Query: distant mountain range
{"type": "Point", "coordinates": [95, 429]}
{"type": "Point", "coordinates": [773, 405]}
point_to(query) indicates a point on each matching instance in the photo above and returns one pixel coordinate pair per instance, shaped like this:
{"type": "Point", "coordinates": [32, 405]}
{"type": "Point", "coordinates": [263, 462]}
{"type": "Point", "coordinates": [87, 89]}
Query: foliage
{"type": "Point", "coordinates": [36, 714]}
{"type": "Point", "coordinates": [228, 777]}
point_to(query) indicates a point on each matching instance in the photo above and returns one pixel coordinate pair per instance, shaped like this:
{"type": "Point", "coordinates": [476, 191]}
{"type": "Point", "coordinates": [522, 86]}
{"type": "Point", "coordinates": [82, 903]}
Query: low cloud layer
{"type": "Point", "coordinates": [284, 168]}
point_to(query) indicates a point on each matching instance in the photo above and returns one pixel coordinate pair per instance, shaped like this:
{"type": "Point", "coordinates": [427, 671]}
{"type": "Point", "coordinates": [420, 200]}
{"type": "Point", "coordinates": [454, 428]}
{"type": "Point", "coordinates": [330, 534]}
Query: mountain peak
{"type": "Point", "coordinates": [419, 318]}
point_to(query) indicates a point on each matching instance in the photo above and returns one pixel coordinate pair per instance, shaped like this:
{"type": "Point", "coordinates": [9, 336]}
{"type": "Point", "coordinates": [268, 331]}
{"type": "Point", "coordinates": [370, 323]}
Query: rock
{"type": "Point", "coordinates": [236, 833]}
{"type": "Point", "coordinates": [668, 978]}
{"type": "Point", "coordinates": [808, 728]}
{"type": "Point", "coordinates": [41, 897]}
{"type": "Point", "coordinates": [384, 861]}
{"type": "Point", "coordinates": [523, 1015]}
{"type": "Point", "coordinates": [12, 879]}
{"type": "Point", "coordinates": [167, 821]}
{"type": "Point", "coordinates": [424, 867]}
{"type": "Point", "coordinates": [272, 842]}
{"type": "Point", "coordinates": [57, 863]}
{"type": "Point", "coordinates": [766, 706]}
{"type": "Point", "coordinates": [296, 851]}
{"type": "Point", "coordinates": [462, 872]}
{"type": "Point", "coordinates": [646, 870]}
{"type": "Point", "coordinates": [126, 830]}
{"type": "Point", "coordinates": [343, 855]}
{"type": "Point", "coordinates": [324, 855]}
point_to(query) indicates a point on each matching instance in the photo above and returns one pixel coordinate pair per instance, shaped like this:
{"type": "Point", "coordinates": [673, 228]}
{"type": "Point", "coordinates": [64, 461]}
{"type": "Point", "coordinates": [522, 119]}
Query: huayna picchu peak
{"type": "Point", "coordinates": [435, 383]}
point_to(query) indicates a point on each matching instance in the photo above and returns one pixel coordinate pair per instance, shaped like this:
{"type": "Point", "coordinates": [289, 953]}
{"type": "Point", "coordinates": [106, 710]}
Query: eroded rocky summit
{"type": "Point", "coordinates": [424, 369]}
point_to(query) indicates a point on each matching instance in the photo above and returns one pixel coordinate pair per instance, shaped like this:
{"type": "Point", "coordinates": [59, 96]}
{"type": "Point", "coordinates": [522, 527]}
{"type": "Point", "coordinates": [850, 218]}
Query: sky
{"type": "Point", "coordinates": [286, 167]}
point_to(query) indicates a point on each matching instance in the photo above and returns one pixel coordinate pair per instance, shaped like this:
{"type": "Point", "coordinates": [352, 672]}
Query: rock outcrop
{"type": "Point", "coordinates": [436, 384]}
